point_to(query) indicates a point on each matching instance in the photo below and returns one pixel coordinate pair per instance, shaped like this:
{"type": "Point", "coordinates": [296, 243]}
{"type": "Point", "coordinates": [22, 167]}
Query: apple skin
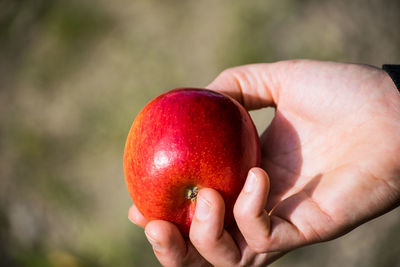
{"type": "Point", "coordinates": [185, 140]}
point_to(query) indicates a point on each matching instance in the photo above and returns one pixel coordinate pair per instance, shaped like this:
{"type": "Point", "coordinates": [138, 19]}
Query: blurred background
{"type": "Point", "coordinates": [74, 74]}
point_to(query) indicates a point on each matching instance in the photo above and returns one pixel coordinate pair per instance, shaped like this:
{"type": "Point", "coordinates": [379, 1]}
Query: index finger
{"type": "Point", "coordinates": [255, 86]}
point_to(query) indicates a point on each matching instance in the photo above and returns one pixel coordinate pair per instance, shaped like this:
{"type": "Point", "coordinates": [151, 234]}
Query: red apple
{"type": "Point", "coordinates": [185, 140]}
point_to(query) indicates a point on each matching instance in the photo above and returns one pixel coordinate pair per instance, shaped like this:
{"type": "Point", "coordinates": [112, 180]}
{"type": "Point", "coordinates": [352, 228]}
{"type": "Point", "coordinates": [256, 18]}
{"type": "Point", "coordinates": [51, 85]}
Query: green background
{"type": "Point", "coordinates": [74, 74]}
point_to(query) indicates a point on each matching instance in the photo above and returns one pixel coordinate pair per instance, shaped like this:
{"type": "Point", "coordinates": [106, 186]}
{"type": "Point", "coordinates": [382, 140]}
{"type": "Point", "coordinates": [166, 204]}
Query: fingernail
{"type": "Point", "coordinates": [202, 208]}
{"type": "Point", "coordinates": [155, 244]}
{"type": "Point", "coordinates": [250, 182]}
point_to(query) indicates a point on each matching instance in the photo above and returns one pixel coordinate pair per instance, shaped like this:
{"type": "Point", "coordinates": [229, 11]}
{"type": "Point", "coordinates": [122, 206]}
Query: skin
{"type": "Point", "coordinates": [332, 158]}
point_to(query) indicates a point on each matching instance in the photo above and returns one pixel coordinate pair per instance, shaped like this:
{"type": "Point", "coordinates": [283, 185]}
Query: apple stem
{"type": "Point", "coordinates": [191, 193]}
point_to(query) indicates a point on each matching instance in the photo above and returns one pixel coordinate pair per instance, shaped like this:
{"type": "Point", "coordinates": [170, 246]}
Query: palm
{"type": "Point", "coordinates": [320, 155]}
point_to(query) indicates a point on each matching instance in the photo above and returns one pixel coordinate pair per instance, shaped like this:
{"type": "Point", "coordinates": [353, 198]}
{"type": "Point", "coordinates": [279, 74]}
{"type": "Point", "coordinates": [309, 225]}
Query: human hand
{"type": "Point", "coordinates": [331, 153]}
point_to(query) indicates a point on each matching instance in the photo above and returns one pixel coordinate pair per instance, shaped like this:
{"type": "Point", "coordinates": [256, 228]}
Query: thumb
{"type": "Point", "coordinates": [254, 86]}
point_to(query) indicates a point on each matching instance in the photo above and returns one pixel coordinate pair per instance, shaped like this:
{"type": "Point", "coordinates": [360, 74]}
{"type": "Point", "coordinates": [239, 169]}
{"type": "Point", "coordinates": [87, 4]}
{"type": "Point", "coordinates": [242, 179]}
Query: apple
{"type": "Point", "coordinates": [185, 140]}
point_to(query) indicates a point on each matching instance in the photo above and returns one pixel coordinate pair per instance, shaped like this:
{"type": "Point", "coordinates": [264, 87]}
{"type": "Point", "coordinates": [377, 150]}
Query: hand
{"type": "Point", "coordinates": [331, 153]}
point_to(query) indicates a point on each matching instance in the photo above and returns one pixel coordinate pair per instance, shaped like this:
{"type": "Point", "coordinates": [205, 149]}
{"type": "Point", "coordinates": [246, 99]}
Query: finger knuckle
{"type": "Point", "coordinates": [259, 245]}
{"type": "Point", "coordinates": [201, 240]}
{"type": "Point", "coordinates": [236, 73]}
{"type": "Point", "coordinates": [227, 71]}
{"type": "Point", "coordinates": [239, 213]}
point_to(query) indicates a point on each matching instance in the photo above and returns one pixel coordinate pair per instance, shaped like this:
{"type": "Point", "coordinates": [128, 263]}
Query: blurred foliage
{"type": "Point", "coordinates": [73, 75]}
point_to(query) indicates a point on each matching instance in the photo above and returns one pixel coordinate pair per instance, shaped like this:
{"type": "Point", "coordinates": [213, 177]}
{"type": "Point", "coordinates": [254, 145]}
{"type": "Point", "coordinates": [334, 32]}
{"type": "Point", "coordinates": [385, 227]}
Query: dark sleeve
{"type": "Point", "coordinates": [394, 73]}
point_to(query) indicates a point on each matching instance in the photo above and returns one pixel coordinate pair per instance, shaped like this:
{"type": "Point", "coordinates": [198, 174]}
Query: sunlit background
{"type": "Point", "coordinates": [74, 74]}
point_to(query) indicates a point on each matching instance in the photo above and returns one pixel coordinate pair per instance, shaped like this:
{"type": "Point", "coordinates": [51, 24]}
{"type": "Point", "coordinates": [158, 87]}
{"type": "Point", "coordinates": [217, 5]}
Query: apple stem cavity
{"type": "Point", "coordinates": [191, 193]}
